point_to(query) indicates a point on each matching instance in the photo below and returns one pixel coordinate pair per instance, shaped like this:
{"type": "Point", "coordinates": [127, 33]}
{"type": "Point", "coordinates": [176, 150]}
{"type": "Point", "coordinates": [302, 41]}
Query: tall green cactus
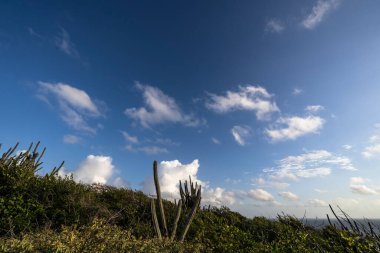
{"type": "Point", "coordinates": [159, 199]}
{"type": "Point", "coordinates": [191, 199]}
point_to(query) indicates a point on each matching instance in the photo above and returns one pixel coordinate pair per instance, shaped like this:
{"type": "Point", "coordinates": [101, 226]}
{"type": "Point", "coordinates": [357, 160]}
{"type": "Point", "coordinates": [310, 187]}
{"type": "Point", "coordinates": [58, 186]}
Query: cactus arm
{"type": "Point", "coordinates": [175, 224]}
{"type": "Point", "coordinates": [191, 215]}
{"type": "Point", "coordinates": [159, 199]}
{"type": "Point", "coordinates": [154, 218]}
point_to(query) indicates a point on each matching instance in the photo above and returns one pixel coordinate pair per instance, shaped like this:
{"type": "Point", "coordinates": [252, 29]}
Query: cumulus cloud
{"type": "Point", "coordinates": [274, 26]}
{"type": "Point", "coordinates": [71, 139]}
{"type": "Point", "coordinates": [289, 196]}
{"type": "Point", "coordinates": [160, 108]}
{"type": "Point", "coordinates": [94, 169]}
{"type": "Point", "coordinates": [314, 108]}
{"type": "Point", "coordinates": [319, 12]}
{"type": "Point", "coordinates": [240, 134]}
{"type": "Point", "coordinates": [64, 43]}
{"type": "Point", "coordinates": [250, 98]}
{"type": "Point", "coordinates": [169, 174]}
{"type": "Point", "coordinates": [260, 195]}
{"type": "Point", "coordinates": [371, 151]}
{"type": "Point", "coordinates": [292, 128]}
{"type": "Point", "coordinates": [317, 163]}
{"type": "Point", "coordinates": [218, 197]}
{"type": "Point", "coordinates": [75, 105]}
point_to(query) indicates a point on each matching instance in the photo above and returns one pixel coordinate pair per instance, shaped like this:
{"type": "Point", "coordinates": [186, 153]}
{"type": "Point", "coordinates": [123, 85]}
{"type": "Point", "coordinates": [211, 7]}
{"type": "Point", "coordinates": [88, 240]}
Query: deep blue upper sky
{"type": "Point", "coordinates": [272, 105]}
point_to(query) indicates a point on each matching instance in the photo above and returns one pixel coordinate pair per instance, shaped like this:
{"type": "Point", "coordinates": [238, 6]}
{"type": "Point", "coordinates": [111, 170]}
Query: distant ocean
{"type": "Point", "coordinates": [362, 223]}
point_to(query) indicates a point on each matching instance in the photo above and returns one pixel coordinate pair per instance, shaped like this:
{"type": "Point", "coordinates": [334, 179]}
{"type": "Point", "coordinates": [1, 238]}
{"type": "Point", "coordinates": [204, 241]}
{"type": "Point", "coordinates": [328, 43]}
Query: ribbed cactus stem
{"type": "Point", "coordinates": [154, 218]}
{"type": "Point", "coordinates": [175, 224]}
{"type": "Point", "coordinates": [159, 199]}
{"type": "Point", "coordinates": [191, 215]}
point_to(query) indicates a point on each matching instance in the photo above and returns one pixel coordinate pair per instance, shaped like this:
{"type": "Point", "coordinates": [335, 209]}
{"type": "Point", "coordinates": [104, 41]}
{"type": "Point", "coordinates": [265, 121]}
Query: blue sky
{"type": "Point", "coordinates": [270, 106]}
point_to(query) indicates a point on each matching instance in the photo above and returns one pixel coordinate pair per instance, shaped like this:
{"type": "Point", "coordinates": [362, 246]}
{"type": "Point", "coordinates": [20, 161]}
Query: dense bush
{"type": "Point", "coordinates": [53, 214]}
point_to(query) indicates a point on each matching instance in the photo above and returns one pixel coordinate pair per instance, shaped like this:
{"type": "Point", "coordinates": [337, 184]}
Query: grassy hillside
{"type": "Point", "coordinates": [53, 214]}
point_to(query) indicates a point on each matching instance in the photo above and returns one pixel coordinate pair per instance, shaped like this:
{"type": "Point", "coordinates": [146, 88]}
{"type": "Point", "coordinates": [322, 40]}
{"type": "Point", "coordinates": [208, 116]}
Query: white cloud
{"type": "Point", "coordinates": [293, 127]}
{"type": "Point", "coordinates": [317, 163]}
{"type": "Point", "coordinates": [75, 105]}
{"type": "Point", "coordinates": [362, 189]}
{"type": "Point", "coordinates": [130, 138]}
{"type": "Point", "coordinates": [274, 26]}
{"type": "Point", "coordinates": [71, 139]}
{"type": "Point", "coordinates": [297, 91]}
{"type": "Point", "coordinates": [316, 203]}
{"type": "Point", "coordinates": [64, 43]}
{"type": "Point", "coordinates": [319, 12]}
{"type": "Point", "coordinates": [314, 108]}
{"type": "Point", "coordinates": [215, 141]}
{"type": "Point", "coordinates": [347, 147]}
{"type": "Point", "coordinates": [371, 151]}
{"type": "Point", "coordinates": [261, 195]}
{"type": "Point", "coordinates": [251, 98]}
{"type": "Point", "coordinates": [169, 174]}
{"type": "Point", "coordinates": [218, 197]}
{"type": "Point", "coordinates": [240, 134]}
{"type": "Point", "coordinates": [289, 196]}
{"type": "Point", "coordinates": [160, 108]}
{"type": "Point", "coordinates": [94, 169]}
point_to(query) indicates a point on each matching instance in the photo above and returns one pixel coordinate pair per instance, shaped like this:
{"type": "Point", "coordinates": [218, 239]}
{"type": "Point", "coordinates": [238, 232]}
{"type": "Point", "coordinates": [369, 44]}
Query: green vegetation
{"type": "Point", "coordinates": [53, 214]}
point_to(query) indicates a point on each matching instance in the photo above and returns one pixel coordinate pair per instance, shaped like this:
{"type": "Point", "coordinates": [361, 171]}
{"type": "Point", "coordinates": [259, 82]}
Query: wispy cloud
{"type": "Point", "coordinates": [319, 12]}
{"type": "Point", "coordinates": [371, 151]}
{"type": "Point", "coordinates": [149, 150]}
{"type": "Point", "coordinates": [129, 138]}
{"type": "Point", "coordinates": [215, 141]}
{"type": "Point", "coordinates": [362, 189]}
{"type": "Point", "coordinates": [274, 26]}
{"type": "Point", "coordinates": [297, 91]}
{"type": "Point", "coordinates": [316, 163]}
{"type": "Point", "coordinates": [347, 147]}
{"type": "Point", "coordinates": [292, 128]}
{"type": "Point", "coordinates": [240, 134]}
{"type": "Point", "coordinates": [250, 98]}
{"type": "Point", "coordinates": [314, 108]}
{"type": "Point", "coordinates": [316, 203]}
{"type": "Point", "coordinates": [160, 108]}
{"type": "Point", "coordinates": [289, 196]}
{"type": "Point", "coordinates": [75, 105]}
{"type": "Point", "coordinates": [260, 195]}
{"type": "Point", "coordinates": [71, 139]}
{"type": "Point", "coordinates": [63, 42]}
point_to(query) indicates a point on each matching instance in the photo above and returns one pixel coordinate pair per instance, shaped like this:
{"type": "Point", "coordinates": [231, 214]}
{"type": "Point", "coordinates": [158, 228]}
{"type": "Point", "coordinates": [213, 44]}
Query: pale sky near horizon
{"type": "Point", "coordinates": [272, 106]}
